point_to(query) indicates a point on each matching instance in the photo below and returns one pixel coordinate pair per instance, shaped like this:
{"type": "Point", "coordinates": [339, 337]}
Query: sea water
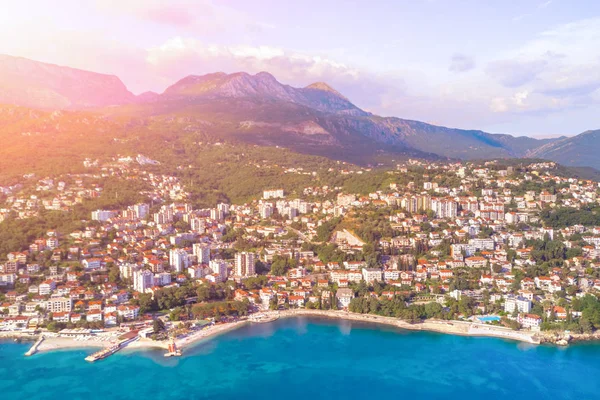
{"type": "Point", "coordinates": [311, 358]}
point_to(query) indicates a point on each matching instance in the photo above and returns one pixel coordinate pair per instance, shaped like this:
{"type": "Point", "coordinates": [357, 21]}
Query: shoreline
{"type": "Point", "coordinates": [461, 328]}
{"type": "Point", "coordinates": [209, 333]}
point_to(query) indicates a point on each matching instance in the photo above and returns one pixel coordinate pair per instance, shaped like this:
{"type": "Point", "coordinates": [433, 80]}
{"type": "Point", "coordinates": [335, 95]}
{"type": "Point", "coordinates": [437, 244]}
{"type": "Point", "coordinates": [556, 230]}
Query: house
{"type": "Point", "coordinates": [46, 287]}
{"type": "Point", "coordinates": [391, 275]}
{"type": "Point", "coordinates": [94, 316]}
{"type": "Point", "coordinates": [371, 275]}
{"type": "Point", "coordinates": [95, 305]}
{"type": "Point", "coordinates": [559, 312]}
{"type": "Point", "coordinates": [63, 317]}
{"type": "Point", "coordinates": [476, 262]}
{"type": "Point", "coordinates": [92, 264]}
{"type": "Point", "coordinates": [110, 319]}
{"type": "Point", "coordinates": [344, 296]}
{"type": "Point", "coordinates": [322, 283]}
{"type": "Point", "coordinates": [297, 301]}
{"type": "Point", "coordinates": [530, 321]}
{"type": "Point", "coordinates": [14, 323]}
{"type": "Point", "coordinates": [128, 311]}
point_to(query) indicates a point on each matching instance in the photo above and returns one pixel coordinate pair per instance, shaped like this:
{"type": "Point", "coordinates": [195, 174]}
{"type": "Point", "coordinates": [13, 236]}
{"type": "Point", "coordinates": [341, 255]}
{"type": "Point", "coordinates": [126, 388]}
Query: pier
{"type": "Point", "coordinates": [99, 355]}
{"type": "Point", "coordinates": [35, 346]}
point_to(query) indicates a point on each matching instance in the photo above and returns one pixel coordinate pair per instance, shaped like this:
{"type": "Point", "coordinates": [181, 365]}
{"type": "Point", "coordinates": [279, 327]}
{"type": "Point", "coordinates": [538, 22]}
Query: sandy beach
{"type": "Point", "coordinates": [61, 343]}
{"type": "Point", "coordinates": [209, 332]}
{"type": "Point", "coordinates": [462, 328]}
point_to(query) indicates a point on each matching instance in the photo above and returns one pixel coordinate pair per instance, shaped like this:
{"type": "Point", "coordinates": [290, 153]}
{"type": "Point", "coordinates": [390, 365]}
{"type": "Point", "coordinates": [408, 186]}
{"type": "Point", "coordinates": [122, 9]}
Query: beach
{"type": "Point", "coordinates": [61, 343]}
{"type": "Point", "coordinates": [209, 332]}
{"type": "Point", "coordinates": [462, 328]}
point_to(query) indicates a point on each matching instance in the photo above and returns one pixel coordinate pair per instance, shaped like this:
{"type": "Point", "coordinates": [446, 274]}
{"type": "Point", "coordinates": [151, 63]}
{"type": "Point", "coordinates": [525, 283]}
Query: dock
{"type": "Point", "coordinates": [263, 318]}
{"type": "Point", "coordinates": [35, 346]}
{"type": "Point", "coordinates": [99, 355]}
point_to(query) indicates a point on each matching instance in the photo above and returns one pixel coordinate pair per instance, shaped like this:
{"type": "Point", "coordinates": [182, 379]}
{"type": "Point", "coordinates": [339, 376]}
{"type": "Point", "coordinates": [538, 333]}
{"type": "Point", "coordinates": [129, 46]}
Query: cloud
{"type": "Point", "coordinates": [461, 63]}
{"type": "Point", "coordinates": [191, 16]}
{"type": "Point", "coordinates": [169, 15]}
{"type": "Point", "coordinates": [559, 69]}
{"type": "Point", "coordinates": [515, 73]}
{"type": "Point", "coordinates": [183, 56]}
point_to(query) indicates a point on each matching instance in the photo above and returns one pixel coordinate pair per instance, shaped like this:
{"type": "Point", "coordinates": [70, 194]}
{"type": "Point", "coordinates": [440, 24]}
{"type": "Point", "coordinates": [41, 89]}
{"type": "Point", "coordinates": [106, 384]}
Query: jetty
{"type": "Point", "coordinates": [99, 355]}
{"type": "Point", "coordinates": [263, 318]}
{"type": "Point", "coordinates": [35, 346]}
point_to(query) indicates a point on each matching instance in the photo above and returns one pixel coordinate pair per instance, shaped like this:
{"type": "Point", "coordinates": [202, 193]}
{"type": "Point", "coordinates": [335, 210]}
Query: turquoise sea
{"type": "Point", "coordinates": [308, 358]}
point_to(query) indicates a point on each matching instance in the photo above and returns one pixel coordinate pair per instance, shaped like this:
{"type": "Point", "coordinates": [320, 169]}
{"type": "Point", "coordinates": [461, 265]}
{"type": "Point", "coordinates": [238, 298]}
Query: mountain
{"type": "Point", "coordinates": [39, 85]}
{"type": "Point", "coordinates": [258, 109]}
{"type": "Point", "coordinates": [263, 85]}
{"type": "Point", "coordinates": [580, 150]}
{"type": "Point", "coordinates": [316, 119]}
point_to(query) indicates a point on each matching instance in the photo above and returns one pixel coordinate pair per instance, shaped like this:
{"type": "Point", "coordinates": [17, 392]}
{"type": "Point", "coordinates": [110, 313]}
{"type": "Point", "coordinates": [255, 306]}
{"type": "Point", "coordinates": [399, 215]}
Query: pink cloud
{"type": "Point", "coordinates": [169, 15]}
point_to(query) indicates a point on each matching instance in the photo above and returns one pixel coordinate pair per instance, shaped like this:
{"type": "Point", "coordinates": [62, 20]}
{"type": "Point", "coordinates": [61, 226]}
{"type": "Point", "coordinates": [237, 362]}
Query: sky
{"type": "Point", "coordinates": [523, 67]}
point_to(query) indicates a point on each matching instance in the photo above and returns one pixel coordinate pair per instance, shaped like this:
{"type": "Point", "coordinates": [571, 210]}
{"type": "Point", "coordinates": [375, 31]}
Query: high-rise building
{"type": "Point", "coordinates": [143, 280]}
{"type": "Point", "coordinates": [202, 253]}
{"type": "Point", "coordinates": [140, 210]}
{"type": "Point", "coordinates": [219, 267]}
{"type": "Point", "coordinates": [444, 208]}
{"type": "Point", "coordinates": [266, 210]}
{"type": "Point", "coordinates": [217, 214]}
{"type": "Point", "coordinates": [198, 225]}
{"type": "Point", "coordinates": [244, 264]}
{"type": "Point", "coordinates": [223, 207]}
{"type": "Point", "coordinates": [165, 216]}
{"type": "Point", "coordinates": [179, 259]}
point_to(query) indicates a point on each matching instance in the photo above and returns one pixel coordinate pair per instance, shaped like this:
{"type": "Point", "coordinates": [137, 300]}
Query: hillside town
{"type": "Point", "coordinates": [448, 241]}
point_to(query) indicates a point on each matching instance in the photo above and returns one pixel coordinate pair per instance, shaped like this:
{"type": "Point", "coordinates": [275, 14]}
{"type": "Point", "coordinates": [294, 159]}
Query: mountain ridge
{"type": "Point", "coordinates": [260, 109]}
{"type": "Point", "coordinates": [43, 85]}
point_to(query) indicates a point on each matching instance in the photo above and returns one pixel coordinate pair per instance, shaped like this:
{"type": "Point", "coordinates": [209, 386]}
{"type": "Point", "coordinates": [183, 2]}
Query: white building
{"type": "Point", "coordinates": [273, 194]}
{"type": "Point", "coordinates": [162, 279]}
{"type": "Point", "coordinates": [265, 210]}
{"type": "Point", "coordinates": [103, 215]}
{"type": "Point", "coordinates": [521, 304]}
{"type": "Point", "coordinates": [371, 275]}
{"type": "Point", "coordinates": [531, 321]}
{"type": "Point", "coordinates": [344, 296]}
{"type": "Point", "coordinates": [244, 264]}
{"type": "Point", "coordinates": [196, 272]}
{"type": "Point", "coordinates": [202, 253]}
{"type": "Point", "coordinates": [444, 208]}
{"type": "Point", "coordinates": [179, 259]}
{"type": "Point", "coordinates": [140, 210]}
{"type": "Point", "coordinates": [219, 267]}
{"type": "Point", "coordinates": [142, 280]}
{"type": "Point", "coordinates": [59, 304]}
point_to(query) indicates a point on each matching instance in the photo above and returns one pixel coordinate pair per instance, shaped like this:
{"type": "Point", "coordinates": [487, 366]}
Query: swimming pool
{"type": "Point", "coordinates": [489, 318]}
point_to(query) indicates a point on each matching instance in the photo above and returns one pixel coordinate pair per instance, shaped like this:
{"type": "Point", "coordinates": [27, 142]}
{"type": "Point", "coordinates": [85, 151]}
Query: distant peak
{"type": "Point", "coordinates": [324, 87]}
{"type": "Point", "coordinates": [265, 75]}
